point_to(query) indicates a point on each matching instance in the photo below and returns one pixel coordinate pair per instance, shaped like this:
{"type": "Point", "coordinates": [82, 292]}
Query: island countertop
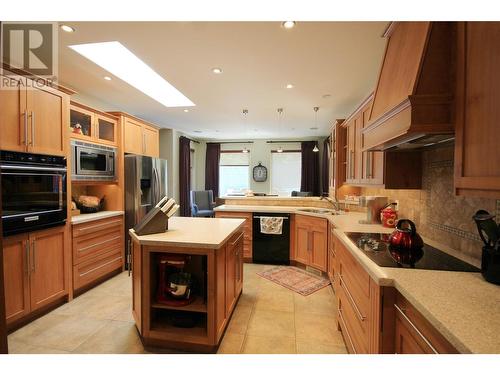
{"type": "Point", "coordinates": [209, 233]}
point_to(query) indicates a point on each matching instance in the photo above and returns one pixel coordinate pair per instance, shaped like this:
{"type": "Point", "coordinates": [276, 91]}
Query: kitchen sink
{"type": "Point", "coordinates": [324, 211]}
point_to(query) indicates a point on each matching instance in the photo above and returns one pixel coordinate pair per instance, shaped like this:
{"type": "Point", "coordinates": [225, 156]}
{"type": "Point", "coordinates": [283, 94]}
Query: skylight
{"type": "Point", "coordinates": [122, 63]}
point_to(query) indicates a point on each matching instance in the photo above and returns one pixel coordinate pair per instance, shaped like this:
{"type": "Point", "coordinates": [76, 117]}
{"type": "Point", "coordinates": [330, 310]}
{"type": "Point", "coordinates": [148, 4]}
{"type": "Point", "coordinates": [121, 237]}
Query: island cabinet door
{"type": "Point", "coordinates": [220, 290]}
{"type": "Point", "coordinates": [233, 269]}
{"type": "Point", "coordinates": [136, 285]}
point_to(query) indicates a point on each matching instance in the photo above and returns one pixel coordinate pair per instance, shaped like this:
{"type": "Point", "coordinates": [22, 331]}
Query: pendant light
{"type": "Point", "coordinates": [245, 114]}
{"type": "Point", "coordinates": [280, 113]}
{"type": "Point", "coordinates": [316, 109]}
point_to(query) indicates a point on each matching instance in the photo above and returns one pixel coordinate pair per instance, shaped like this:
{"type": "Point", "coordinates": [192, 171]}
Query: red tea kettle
{"type": "Point", "coordinates": [405, 245]}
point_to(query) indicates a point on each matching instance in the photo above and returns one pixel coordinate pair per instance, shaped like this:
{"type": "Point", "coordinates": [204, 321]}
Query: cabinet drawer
{"type": "Point", "coordinates": [93, 244]}
{"type": "Point", "coordinates": [97, 226]}
{"type": "Point", "coordinates": [354, 279]}
{"type": "Point", "coordinates": [92, 269]}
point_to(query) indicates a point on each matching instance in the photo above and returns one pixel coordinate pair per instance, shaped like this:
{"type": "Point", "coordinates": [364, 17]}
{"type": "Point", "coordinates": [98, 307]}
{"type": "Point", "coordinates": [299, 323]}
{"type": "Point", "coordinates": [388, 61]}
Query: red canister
{"type": "Point", "coordinates": [389, 215]}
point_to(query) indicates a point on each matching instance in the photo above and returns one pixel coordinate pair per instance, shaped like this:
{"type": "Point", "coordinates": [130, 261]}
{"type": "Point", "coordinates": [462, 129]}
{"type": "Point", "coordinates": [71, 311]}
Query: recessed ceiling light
{"type": "Point", "coordinates": [107, 78]}
{"type": "Point", "coordinates": [67, 28]}
{"type": "Point", "coordinates": [288, 24]}
{"type": "Point", "coordinates": [122, 63]}
{"type": "Point", "coordinates": [326, 96]}
{"type": "Point", "coordinates": [186, 110]}
{"type": "Point", "coordinates": [197, 131]}
{"type": "Point", "coordinates": [289, 86]}
{"type": "Point", "coordinates": [216, 70]}
{"type": "Point", "coordinates": [314, 128]}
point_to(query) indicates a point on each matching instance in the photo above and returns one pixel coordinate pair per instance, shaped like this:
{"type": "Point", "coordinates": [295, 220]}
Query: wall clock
{"type": "Point", "coordinates": [259, 173]}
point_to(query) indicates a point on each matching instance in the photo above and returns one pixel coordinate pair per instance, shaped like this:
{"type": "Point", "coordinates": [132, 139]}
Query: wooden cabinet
{"type": "Point", "coordinates": [33, 118]}
{"type": "Point", "coordinates": [247, 230]}
{"type": "Point", "coordinates": [332, 257]}
{"type": "Point", "coordinates": [234, 271]}
{"type": "Point", "coordinates": [95, 126]}
{"type": "Point", "coordinates": [35, 271]}
{"type": "Point", "coordinates": [414, 334]}
{"type": "Point", "coordinates": [139, 137]}
{"type": "Point", "coordinates": [477, 156]}
{"type": "Point", "coordinates": [311, 241]}
{"type": "Point", "coordinates": [98, 248]}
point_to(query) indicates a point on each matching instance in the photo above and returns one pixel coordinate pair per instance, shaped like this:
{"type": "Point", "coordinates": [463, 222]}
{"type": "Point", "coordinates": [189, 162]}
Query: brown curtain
{"type": "Point", "coordinates": [325, 166]}
{"type": "Point", "coordinates": [212, 168]}
{"type": "Point", "coordinates": [184, 175]}
{"type": "Point", "coordinates": [309, 179]}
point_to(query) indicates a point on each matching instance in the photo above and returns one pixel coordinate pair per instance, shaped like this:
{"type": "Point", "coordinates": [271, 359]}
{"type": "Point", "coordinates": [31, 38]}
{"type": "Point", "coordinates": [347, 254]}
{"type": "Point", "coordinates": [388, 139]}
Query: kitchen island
{"type": "Point", "coordinates": [214, 249]}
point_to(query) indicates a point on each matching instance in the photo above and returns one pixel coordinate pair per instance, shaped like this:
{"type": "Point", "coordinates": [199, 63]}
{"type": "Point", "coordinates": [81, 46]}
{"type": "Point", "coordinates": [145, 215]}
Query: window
{"type": "Point", "coordinates": [285, 172]}
{"type": "Point", "coordinates": [234, 175]}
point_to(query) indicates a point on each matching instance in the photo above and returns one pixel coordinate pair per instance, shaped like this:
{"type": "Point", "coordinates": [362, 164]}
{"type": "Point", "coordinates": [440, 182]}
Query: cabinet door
{"type": "Point", "coordinates": [81, 122]}
{"type": "Point", "coordinates": [106, 129]}
{"type": "Point", "coordinates": [230, 277]}
{"type": "Point", "coordinates": [136, 284]}
{"type": "Point", "coordinates": [48, 120]}
{"type": "Point", "coordinates": [351, 135]}
{"type": "Point", "coordinates": [302, 243]}
{"type": "Point", "coordinates": [13, 115]}
{"type": "Point", "coordinates": [318, 238]}
{"type": "Point", "coordinates": [151, 141]}
{"type": "Point", "coordinates": [405, 342]}
{"type": "Point", "coordinates": [16, 277]}
{"type": "Point", "coordinates": [239, 268]}
{"type": "Point", "coordinates": [48, 261]}
{"type": "Point", "coordinates": [477, 159]}
{"type": "Point", "coordinates": [134, 142]}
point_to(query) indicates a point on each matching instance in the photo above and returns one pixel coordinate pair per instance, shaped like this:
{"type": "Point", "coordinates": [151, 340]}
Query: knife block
{"type": "Point", "coordinates": [155, 221]}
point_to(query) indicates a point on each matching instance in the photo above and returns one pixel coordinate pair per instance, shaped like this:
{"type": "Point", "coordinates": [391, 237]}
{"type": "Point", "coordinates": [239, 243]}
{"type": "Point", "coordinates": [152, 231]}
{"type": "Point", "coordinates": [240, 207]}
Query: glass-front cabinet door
{"type": "Point", "coordinates": [106, 128]}
{"type": "Point", "coordinates": [81, 123]}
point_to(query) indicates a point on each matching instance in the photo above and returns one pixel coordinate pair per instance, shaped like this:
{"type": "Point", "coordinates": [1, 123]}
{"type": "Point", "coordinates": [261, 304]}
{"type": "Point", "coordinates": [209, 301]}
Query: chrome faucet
{"type": "Point", "coordinates": [335, 203]}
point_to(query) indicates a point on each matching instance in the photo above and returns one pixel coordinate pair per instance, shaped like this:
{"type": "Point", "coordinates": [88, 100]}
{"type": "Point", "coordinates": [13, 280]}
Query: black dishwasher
{"type": "Point", "coordinates": [271, 248]}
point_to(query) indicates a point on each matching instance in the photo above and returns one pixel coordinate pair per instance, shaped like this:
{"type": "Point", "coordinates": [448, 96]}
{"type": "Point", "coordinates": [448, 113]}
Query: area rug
{"type": "Point", "coordinates": [295, 279]}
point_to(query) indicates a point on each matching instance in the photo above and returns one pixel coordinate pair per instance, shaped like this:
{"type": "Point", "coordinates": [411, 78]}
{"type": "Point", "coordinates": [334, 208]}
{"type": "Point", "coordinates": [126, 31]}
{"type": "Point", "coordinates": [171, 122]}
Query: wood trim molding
{"type": "Point", "coordinates": [98, 111]}
{"type": "Point", "coordinates": [125, 114]}
{"type": "Point", "coordinates": [389, 29]}
{"type": "Point", "coordinates": [358, 108]}
{"type": "Point", "coordinates": [387, 115]}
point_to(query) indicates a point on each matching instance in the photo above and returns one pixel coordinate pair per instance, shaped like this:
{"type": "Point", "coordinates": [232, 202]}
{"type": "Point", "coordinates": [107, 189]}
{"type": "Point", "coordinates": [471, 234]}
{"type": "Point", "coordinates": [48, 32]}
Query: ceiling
{"type": "Point", "coordinates": [259, 59]}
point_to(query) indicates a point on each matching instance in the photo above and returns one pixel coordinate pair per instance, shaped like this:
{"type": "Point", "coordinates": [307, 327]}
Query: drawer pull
{"type": "Point", "coordinates": [347, 331]}
{"type": "Point", "coordinates": [100, 225]}
{"type": "Point", "coordinates": [351, 300]}
{"type": "Point", "coordinates": [100, 266]}
{"type": "Point", "coordinates": [98, 244]}
{"type": "Point", "coordinates": [416, 329]}
{"type": "Point", "coordinates": [236, 240]}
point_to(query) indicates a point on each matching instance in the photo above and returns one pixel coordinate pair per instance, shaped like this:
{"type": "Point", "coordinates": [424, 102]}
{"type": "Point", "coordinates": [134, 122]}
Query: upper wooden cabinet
{"type": "Point", "coordinates": [33, 117]}
{"type": "Point", "coordinates": [94, 126]}
{"type": "Point", "coordinates": [139, 137]}
{"type": "Point", "coordinates": [311, 241]}
{"type": "Point", "coordinates": [477, 155]}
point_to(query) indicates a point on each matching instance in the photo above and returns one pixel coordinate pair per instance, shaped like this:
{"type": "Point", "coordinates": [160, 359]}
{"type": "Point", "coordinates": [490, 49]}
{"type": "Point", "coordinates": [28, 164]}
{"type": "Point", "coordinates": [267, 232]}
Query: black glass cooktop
{"type": "Point", "coordinates": [376, 247]}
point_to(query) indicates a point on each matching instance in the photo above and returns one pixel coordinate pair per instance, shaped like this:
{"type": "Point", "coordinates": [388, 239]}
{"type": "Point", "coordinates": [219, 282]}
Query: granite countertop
{"type": "Point", "coordinates": [84, 218]}
{"type": "Point", "coordinates": [462, 306]}
{"type": "Point", "coordinates": [206, 233]}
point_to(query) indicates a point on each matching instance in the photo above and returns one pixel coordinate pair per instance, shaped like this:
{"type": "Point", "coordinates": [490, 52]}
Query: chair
{"type": "Point", "coordinates": [202, 203]}
{"type": "Point", "coordinates": [301, 194]}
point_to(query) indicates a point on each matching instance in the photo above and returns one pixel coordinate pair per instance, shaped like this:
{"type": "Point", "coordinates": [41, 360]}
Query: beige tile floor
{"type": "Point", "coordinates": [268, 319]}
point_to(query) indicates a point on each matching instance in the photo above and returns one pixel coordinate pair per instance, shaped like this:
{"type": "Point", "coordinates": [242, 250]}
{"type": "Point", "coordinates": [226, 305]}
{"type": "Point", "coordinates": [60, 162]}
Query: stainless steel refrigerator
{"type": "Point", "coordinates": [145, 185]}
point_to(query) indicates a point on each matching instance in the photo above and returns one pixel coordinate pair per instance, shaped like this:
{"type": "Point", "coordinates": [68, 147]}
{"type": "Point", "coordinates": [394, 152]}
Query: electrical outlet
{"type": "Point", "coordinates": [397, 204]}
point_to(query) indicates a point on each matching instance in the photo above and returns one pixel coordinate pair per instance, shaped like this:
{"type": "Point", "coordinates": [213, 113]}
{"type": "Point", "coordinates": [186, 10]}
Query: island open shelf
{"type": "Point", "coordinates": [214, 252]}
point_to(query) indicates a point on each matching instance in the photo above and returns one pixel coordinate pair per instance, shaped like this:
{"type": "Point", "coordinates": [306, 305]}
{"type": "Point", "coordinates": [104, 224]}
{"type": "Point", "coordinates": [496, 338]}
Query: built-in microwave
{"type": "Point", "coordinates": [92, 162]}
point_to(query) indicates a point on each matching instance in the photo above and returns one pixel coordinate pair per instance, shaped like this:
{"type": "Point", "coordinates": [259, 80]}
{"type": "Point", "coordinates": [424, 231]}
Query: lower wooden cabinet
{"type": "Point", "coordinates": [98, 250]}
{"type": "Point", "coordinates": [35, 271]}
{"type": "Point", "coordinates": [247, 230]}
{"type": "Point", "coordinates": [311, 241]}
{"type": "Point", "coordinates": [234, 271]}
{"type": "Point", "coordinates": [413, 334]}
{"type": "Point", "coordinates": [332, 257]}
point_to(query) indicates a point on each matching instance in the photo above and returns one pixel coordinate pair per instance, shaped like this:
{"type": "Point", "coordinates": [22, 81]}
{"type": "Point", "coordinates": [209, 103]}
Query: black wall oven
{"type": "Point", "coordinates": [33, 191]}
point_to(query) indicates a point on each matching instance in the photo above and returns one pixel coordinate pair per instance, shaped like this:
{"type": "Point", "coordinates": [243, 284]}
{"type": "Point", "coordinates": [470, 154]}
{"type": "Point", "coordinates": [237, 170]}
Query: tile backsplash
{"type": "Point", "coordinates": [436, 211]}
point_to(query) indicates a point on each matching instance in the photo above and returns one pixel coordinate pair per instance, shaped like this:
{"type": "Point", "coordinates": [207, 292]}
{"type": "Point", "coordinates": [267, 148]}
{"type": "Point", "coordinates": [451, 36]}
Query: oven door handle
{"type": "Point", "coordinates": [32, 168]}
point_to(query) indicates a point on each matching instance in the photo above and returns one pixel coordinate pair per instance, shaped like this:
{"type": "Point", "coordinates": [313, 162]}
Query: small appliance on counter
{"type": "Point", "coordinates": [489, 232]}
{"type": "Point", "coordinates": [373, 206]}
{"type": "Point", "coordinates": [389, 215]}
{"type": "Point", "coordinates": [88, 204]}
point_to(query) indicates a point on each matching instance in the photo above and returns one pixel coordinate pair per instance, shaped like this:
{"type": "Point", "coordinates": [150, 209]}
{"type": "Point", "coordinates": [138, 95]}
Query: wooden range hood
{"type": "Point", "coordinates": [413, 101]}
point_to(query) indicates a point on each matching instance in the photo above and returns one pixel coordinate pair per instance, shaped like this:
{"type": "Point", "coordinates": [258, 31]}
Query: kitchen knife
{"type": "Point", "coordinates": [165, 198]}
{"type": "Point", "coordinates": [173, 210]}
{"type": "Point", "coordinates": [170, 203]}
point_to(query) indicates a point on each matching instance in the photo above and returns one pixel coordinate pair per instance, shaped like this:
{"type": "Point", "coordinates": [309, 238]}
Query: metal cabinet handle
{"type": "Point", "coordinates": [32, 115]}
{"type": "Point", "coordinates": [27, 260]}
{"type": "Point", "coordinates": [352, 164]}
{"type": "Point", "coordinates": [25, 141]}
{"type": "Point", "coordinates": [33, 248]}
{"type": "Point", "coordinates": [347, 331]}
{"type": "Point", "coordinates": [416, 329]}
{"type": "Point", "coordinates": [129, 257]}
{"type": "Point", "coordinates": [236, 240]}
{"type": "Point", "coordinates": [351, 300]}
{"type": "Point", "coordinates": [99, 225]}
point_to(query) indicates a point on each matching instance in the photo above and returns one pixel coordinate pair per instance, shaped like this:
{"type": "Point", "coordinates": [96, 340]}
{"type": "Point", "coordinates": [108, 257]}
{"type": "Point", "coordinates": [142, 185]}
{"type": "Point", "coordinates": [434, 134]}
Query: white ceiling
{"type": "Point", "coordinates": [258, 59]}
